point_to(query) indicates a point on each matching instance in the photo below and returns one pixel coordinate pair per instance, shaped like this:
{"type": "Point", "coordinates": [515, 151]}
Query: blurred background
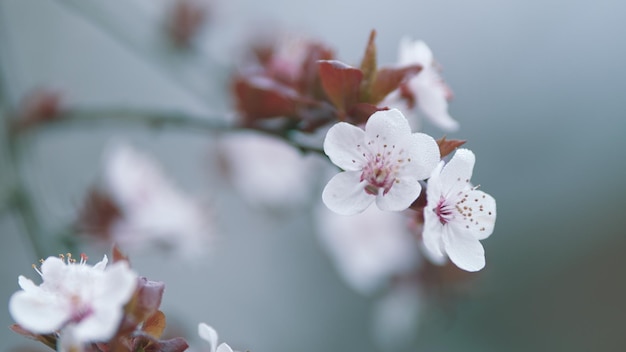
{"type": "Point", "coordinates": [539, 93]}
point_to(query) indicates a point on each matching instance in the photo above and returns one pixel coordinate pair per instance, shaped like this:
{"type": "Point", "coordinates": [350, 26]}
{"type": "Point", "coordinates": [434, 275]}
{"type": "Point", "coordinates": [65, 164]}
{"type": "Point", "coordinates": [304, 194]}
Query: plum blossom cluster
{"type": "Point", "coordinates": [139, 208]}
{"type": "Point", "coordinates": [426, 211]}
{"type": "Point", "coordinates": [387, 164]}
{"type": "Point", "coordinates": [83, 308]}
{"type": "Point", "coordinates": [401, 213]}
{"type": "Point", "coordinates": [80, 307]}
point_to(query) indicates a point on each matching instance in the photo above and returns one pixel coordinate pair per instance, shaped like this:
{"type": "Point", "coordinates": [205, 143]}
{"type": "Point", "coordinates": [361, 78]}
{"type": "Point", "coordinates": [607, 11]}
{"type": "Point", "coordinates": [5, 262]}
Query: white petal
{"type": "Point", "coordinates": [396, 317]}
{"type": "Point", "coordinates": [421, 155]}
{"type": "Point", "coordinates": [223, 347]}
{"type": "Point", "coordinates": [101, 265]}
{"type": "Point", "coordinates": [38, 312]}
{"type": "Point", "coordinates": [53, 271]}
{"type": "Point", "coordinates": [464, 250]}
{"type": "Point", "coordinates": [117, 284]}
{"type": "Point", "coordinates": [432, 101]}
{"type": "Point", "coordinates": [368, 248]}
{"type": "Point", "coordinates": [101, 325]}
{"type": "Point", "coordinates": [27, 284]}
{"type": "Point", "coordinates": [345, 194]}
{"type": "Point", "coordinates": [342, 146]}
{"type": "Point", "coordinates": [388, 125]}
{"type": "Point", "coordinates": [432, 235]}
{"type": "Point", "coordinates": [404, 191]}
{"type": "Point", "coordinates": [457, 173]}
{"type": "Point", "coordinates": [285, 184]}
{"type": "Point", "coordinates": [207, 333]}
{"type": "Point", "coordinates": [68, 342]}
{"type": "Point", "coordinates": [414, 52]}
{"type": "Point", "coordinates": [483, 215]}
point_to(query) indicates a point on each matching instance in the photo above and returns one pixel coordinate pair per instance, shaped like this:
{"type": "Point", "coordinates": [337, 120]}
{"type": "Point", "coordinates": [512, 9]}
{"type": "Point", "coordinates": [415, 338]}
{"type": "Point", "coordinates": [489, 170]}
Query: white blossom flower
{"type": "Point", "coordinates": [209, 334]}
{"type": "Point", "coordinates": [384, 163]}
{"type": "Point", "coordinates": [266, 171]}
{"type": "Point", "coordinates": [369, 248]}
{"type": "Point", "coordinates": [457, 215]}
{"type": "Point", "coordinates": [85, 300]}
{"type": "Point", "coordinates": [430, 92]}
{"type": "Point", "coordinates": [396, 316]}
{"type": "Point", "coordinates": [154, 211]}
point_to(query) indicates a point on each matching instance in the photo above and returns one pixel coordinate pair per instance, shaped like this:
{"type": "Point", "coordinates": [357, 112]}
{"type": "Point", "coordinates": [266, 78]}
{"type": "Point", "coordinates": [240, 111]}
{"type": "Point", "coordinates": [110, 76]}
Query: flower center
{"type": "Point", "coordinates": [379, 173]}
{"type": "Point", "coordinates": [444, 211]}
{"type": "Point", "coordinates": [80, 310]}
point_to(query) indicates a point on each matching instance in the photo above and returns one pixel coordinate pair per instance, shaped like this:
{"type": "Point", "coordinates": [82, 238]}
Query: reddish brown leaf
{"type": "Point", "coordinates": [368, 64]}
{"type": "Point", "coordinates": [185, 21]}
{"type": "Point", "coordinates": [98, 214]}
{"type": "Point", "coordinates": [260, 97]}
{"type": "Point", "coordinates": [309, 82]}
{"type": "Point", "coordinates": [38, 107]}
{"type": "Point", "coordinates": [145, 302]}
{"type": "Point", "coordinates": [47, 339]}
{"type": "Point", "coordinates": [118, 255]}
{"type": "Point", "coordinates": [341, 83]}
{"type": "Point", "coordinates": [155, 324]}
{"type": "Point", "coordinates": [389, 79]}
{"type": "Point", "coordinates": [448, 146]}
{"type": "Point", "coordinates": [177, 344]}
{"type": "Point", "coordinates": [360, 112]}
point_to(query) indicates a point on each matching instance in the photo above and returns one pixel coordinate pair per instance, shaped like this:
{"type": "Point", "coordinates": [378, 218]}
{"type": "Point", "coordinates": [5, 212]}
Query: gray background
{"type": "Point", "coordinates": [540, 89]}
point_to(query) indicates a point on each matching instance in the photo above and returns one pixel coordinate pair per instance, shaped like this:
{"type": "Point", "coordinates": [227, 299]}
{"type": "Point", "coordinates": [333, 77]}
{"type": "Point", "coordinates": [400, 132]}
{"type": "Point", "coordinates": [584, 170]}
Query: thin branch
{"type": "Point", "coordinates": [88, 118]}
{"type": "Point", "coordinates": [147, 43]}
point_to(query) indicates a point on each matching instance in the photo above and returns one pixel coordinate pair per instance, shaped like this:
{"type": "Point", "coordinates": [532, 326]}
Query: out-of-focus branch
{"type": "Point", "coordinates": [88, 117]}
{"type": "Point", "coordinates": [82, 117]}
{"type": "Point", "coordinates": [148, 41]}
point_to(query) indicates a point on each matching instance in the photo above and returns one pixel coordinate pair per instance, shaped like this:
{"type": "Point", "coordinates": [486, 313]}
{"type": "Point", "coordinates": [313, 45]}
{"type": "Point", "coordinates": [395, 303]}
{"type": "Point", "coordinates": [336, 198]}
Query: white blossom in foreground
{"type": "Point", "coordinates": [427, 88]}
{"type": "Point", "coordinates": [369, 248]}
{"type": "Point", "coordinates": [209, 334]}
{"type": "Point", "coordinates": [384, 163]}
{"type": "Point", "coordinates": [457, 215]}
{"type": "Point", "coordinates": [154, 212]}
{"type": "Point", "coordinates": [83, 300]}
{"type": "Point", "coordinates": [266, 171]}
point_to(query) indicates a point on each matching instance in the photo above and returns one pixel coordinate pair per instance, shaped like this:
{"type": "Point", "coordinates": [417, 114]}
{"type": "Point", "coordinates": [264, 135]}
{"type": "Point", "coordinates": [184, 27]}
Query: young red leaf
{"type": "Point", "coordinates": [98, 214]}
{"type": "Point", "coordinates": [118, 255]}
{"type": "Point", "coordinates": [341, 83]}
{"type": "Point", "coordinates": [260, 97]}
{"type": "Point", "coordinates": [360, 112]}
{"type": "Point", "coordinates": [368, 64]}
{"type": "Point", "coordinates": [155, 324]}
{"type": "Point", "coordinates": [146, 301]}
{"type": "Point", "coordinates": [448, 146]}
{"type": "Point", "coordinates": [49, 340]}
{"type": "Point", "coordinates": [389, 79]}
{"type": "Point", "coordinates": [309, 83]}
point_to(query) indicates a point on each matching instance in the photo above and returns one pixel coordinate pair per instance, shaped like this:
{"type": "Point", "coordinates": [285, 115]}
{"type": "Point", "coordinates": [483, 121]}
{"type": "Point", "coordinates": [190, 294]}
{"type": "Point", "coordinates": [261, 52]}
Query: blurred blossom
{"type": "Point", "coordinates": [266, 171]}
{"type": "Point", "coordinates": [369, 248]}
{"type": "Point", "coordinates": [209, 334]}
{"type": "Point", "coordinates": [384, 163]}
{"type": "Point", "coordinates": [457, 215]}
{"type": "Point", "coordinates": [396, 316]}
{"type": "Point", "coordinates": [39, 106]}
{"type": "Point", "coordinates": [185, 20]}
{"type": "Point", "coordinates": [154, 212]}
{"type": "Point", "coordinates": [83, 301]}
{"type": "Point", "coordinates": [426, 90]}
